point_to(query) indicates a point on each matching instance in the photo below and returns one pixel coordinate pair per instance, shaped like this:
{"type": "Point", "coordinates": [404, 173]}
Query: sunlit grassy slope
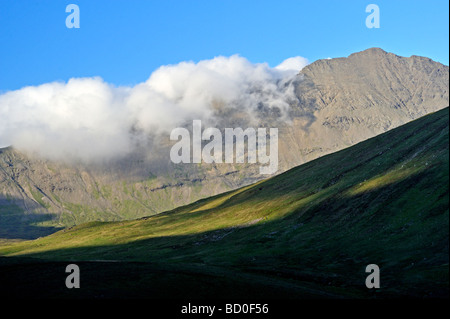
{"type": "Point", "coordinates": [308, 232]}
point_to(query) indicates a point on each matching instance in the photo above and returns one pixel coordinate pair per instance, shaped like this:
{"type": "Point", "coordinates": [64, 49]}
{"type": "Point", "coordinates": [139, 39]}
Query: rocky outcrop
{"type": "Point", "coordinates": [340, 102]}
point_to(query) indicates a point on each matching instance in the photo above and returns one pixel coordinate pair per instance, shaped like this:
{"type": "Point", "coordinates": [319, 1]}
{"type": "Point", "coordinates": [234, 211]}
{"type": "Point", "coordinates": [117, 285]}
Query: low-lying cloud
{"type": "Point", "coordinates": [89, 119]}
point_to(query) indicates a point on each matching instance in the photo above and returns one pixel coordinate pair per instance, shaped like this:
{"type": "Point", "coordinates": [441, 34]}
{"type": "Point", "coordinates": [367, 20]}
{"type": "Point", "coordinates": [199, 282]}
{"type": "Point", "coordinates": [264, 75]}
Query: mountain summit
{"type": "Point", "coordinates": [338, 103]}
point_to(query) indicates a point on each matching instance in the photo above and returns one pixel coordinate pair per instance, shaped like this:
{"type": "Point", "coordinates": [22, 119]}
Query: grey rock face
{"type": "Point", "coordinates": [340, 102]}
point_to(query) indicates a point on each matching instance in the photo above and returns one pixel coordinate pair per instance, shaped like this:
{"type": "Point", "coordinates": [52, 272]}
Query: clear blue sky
{"type": "Point", "coordinates": [124, 41]}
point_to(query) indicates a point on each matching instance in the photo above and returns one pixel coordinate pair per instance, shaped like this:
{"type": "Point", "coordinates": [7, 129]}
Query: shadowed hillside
{"type": "Point", "coordinates": [309, 232]}
{"type": "Point", "coordinates": [337, 103]}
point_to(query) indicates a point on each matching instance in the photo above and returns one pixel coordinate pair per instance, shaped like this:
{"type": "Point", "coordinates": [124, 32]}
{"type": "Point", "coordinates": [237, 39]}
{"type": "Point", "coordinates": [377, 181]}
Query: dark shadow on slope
{"type": "Point", "coordinates": [324, 247]}
{"type": "Point", "coordinates": [15, 223]}
{"type": "Point", "coordinates": [35, 279]}
{"type": "Point", "coordinates": [319, 252]}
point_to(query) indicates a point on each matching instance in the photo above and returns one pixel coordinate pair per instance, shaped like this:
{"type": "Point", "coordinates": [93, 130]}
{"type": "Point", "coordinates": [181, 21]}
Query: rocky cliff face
{"type": "Point", "coordinates": [346, 100]}
{"type": "Point", "coordinates": [340, 102]}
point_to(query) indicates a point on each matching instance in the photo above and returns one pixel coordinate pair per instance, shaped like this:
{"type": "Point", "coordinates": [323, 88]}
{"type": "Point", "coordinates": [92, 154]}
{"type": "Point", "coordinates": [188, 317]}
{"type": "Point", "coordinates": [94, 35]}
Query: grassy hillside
{"type": "Point", "coordinates": [336, 103]}
{"type": "Point", "coordinates": [38, 197]}
{"type": "Point", "coordinates": [309, 232]}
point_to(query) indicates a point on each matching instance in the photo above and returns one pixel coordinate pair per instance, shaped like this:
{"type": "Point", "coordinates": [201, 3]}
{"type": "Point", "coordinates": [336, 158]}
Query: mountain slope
{"type": "Point", "coordinates": [351, 99]}
{"type": "Point", "coordinates": [340, 102]}
{"type": "Point", "coordinates": [310, 231]}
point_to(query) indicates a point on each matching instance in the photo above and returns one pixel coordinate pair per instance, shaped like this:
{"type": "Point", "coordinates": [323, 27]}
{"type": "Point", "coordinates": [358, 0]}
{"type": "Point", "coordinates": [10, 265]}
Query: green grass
{"type": "Point", "coordinates": [37, 195]}
{"type": "Point", "coordinates": [307, 232]}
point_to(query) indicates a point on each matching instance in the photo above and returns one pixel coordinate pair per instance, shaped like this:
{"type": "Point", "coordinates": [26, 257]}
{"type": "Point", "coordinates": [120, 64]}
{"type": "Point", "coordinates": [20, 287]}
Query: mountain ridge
{"type": "Point", "coordinates": [340, 102]}
{"type": "Point", "coordinates": [308, 232]}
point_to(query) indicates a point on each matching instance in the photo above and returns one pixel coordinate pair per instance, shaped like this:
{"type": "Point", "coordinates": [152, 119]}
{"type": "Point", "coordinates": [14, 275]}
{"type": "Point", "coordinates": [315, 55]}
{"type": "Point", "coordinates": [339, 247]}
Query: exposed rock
{"type": "Point", "coordinates": [340, 102]}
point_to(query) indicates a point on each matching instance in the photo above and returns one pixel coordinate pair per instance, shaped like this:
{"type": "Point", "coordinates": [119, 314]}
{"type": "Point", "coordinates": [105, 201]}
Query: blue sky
{"type": "Point", "coordinates": [125, 41]}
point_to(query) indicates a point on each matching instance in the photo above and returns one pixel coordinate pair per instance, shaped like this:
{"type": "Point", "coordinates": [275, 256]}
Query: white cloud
{"type": "Point", "coordinates": [295, 64]}
{"type": "Point", "coordinates": [81, 118]}
{"type": "Point", "coordinates": [88, 119]}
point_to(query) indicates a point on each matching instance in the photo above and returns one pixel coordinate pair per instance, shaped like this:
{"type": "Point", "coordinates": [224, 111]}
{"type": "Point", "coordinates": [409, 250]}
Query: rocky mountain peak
{"type": "Point", "coordinates": [340, 102]}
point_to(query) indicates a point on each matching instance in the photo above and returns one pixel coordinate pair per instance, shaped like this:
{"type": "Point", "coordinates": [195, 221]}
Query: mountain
{"type": "Point", "coordinates": [338, 103]}
{"type": "Point", "coordinates": [309, 232]}
{"type": "Point", "coordinates": [347, 100]}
